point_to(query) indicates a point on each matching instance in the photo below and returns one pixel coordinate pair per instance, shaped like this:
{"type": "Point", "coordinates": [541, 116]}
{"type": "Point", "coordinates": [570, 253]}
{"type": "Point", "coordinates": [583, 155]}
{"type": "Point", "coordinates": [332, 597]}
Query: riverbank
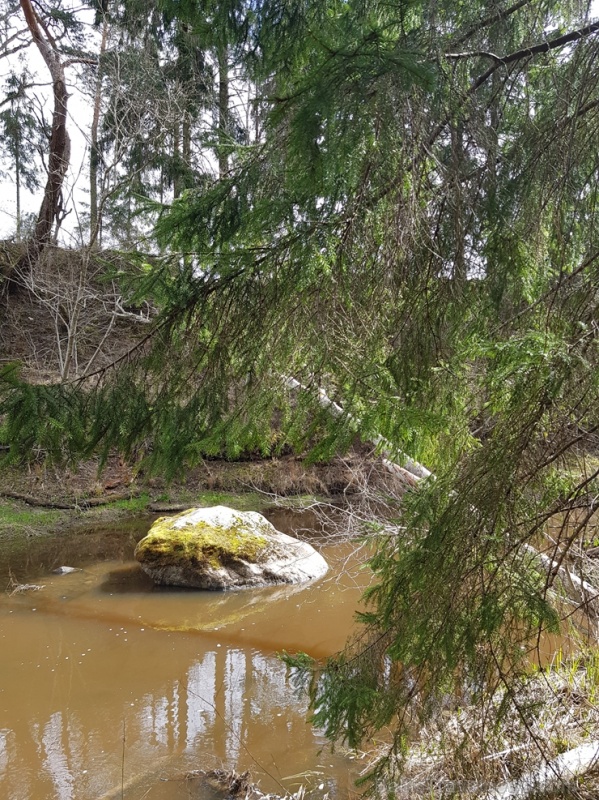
{"type": "Point", "coordinates": [45, 499]}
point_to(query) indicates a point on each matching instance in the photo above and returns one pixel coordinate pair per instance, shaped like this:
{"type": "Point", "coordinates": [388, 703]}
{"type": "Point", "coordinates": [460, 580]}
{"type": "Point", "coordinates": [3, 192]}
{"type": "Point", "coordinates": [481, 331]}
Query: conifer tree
{"type": "Point", "coordinates": [19, 133]}
{"type": "Point", "coordinates": [149, 112]}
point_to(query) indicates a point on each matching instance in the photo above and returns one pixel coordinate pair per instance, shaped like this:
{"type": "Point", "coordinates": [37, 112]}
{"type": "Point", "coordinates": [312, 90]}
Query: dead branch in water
{"type": "Point", "coordinates": [14, 587]}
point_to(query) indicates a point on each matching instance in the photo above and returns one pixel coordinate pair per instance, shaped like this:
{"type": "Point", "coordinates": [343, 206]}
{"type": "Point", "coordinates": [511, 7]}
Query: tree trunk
{"type": "Point", "coordinates": [94, 155]}
{"type": "Point", "coordinates": [186, 149]}
{"type": "Point", "coordinates": [223, 110]}
{"type": "Point", "coordinates": [457, 148]}
{"type": "Point", "coordinates": [60, 145]}
{"type": "Point", "coordinates": [176, 161]}
{"type": "Point", "coordinates": [18, 184]}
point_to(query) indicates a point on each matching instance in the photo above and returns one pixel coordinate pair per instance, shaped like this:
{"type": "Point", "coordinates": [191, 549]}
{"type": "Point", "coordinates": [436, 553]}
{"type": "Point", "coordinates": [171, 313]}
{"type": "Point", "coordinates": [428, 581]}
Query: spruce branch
{"type": "Point", "coordinates": [492, 19]}
{"type": "Point", "coordinates": [524, 52]}
{"type": "Point", "coordinates": [474, 54]}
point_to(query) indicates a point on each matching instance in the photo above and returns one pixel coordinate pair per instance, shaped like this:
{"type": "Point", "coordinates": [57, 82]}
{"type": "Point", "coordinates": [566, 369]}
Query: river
{"type": "Point", "coordinates": [112, 688]}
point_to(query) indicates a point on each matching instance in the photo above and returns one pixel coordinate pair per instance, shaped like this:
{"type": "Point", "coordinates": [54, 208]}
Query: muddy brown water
{"type": "Point", "coordinates": [111, 688]}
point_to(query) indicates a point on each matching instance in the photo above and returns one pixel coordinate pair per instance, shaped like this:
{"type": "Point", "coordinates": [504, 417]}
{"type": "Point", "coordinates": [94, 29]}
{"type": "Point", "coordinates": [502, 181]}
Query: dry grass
{"type": "Point", "coordinates": [464, 753]}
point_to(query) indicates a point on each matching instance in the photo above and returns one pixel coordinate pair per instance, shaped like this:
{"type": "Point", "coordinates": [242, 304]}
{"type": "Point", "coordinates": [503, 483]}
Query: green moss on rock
{"type": "Point", "coordinates": [170, 543]}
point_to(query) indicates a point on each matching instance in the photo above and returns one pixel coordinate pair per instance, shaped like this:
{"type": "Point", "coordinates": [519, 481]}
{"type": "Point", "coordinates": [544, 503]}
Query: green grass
{"type": "Point", "coordinates": [18, 517]}
{"type": "Point", "coordinates": [252, 501]}
{"type": "Point", "coordinates": [247, 501]}
{"type": "Point", "coordinates": [133, 505]}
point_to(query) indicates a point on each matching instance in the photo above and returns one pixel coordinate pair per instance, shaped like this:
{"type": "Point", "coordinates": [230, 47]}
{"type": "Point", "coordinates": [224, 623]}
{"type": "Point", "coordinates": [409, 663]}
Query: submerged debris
{"type": "Point", "coordinates": [14, 587]}
{"type": "Point", "coordinates": [229, 783]}
{"type": "Point", "coordinates": [232, 785]}
{"type": "Point", "coordinates": [19, 588]}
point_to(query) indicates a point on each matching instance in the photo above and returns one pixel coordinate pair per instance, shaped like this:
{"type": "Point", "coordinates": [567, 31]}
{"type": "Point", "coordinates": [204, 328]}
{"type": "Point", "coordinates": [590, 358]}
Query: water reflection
{"type": "Point", "coordinates": [71, 708]}
{"type": "Point", "coordinates": [108, 687]}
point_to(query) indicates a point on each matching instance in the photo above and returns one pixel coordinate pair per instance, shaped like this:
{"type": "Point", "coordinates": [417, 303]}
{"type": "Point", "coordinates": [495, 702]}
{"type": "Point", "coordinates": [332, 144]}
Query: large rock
{"type": "Point", "coordinates": [219, 548]}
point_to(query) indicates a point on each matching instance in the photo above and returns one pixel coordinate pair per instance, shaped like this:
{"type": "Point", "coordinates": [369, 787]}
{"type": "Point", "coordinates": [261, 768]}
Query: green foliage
{"type": "Point", "coordinates": [45, 418]}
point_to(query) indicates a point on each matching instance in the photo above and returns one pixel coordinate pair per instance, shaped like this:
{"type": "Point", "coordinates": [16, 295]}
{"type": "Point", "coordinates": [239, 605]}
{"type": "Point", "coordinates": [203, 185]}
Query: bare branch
{"type": "Point", "coordinates": [518, 55]}
{"type": "Point", "coordinates": [6, 50]}
{"type": "Point", "coordinates": [525, 52]}
{"type": "Point", "coordinates": [93, 62]}
{"type": "Point", "coordinates": [19, 93]}
{"type": "Point", "coordinates": [551, 44]}
{"type": "Point", "coordinates": [474, 54]}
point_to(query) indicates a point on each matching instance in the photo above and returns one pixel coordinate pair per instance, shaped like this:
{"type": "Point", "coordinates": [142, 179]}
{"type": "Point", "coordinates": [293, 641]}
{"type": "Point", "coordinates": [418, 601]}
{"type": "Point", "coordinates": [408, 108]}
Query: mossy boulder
{"type": "Point", "coordinates": [219, 548]}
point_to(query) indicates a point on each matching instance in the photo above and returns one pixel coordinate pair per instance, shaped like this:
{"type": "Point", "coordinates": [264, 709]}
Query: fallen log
{"type": "Point", "coordinates": [78, 505]}
{"type": "Point", "coordinates": [407, 465]}
{"type": "Point", "coordinates": [574, 588]}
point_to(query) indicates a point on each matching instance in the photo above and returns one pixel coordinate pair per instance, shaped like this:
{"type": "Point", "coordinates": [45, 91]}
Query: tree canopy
{"type": "Point", "coordinates": [413, 230]}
